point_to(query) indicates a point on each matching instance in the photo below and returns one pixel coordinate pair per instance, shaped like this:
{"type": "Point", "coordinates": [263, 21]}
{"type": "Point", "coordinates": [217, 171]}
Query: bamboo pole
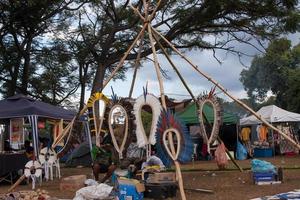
{"type": "Point", "coordinates": [16, 183]}
{"type": "Point", "coordinates": [170, 138]}
{"type": "Point", "coordinates": [229, 155]}
{"type": "Point", "coordinates": [175, 68]}
{"type": "Point", "coordinates": [125, 56]}
{"type": "Point", "coordinates": [180, 180]}
{"type": "Point", "coordinates": [63, 133]}
{"type": "Point", "coordinates": [161, 87]}
{"type": "Point", "coordinates": [120, 63]}
{"type": "Point", "coordinates": [225, 91]}
{"type": "Point", "coordinates": [138, 13]}
{"type": "Point", "coordinates": [145, 9]}
{"type": "Point", "coordinates": [190, 92]}
{"type": "Point", "coordinates": [154, 11]}
{"type": "Point", "coordinates": [137, 63]}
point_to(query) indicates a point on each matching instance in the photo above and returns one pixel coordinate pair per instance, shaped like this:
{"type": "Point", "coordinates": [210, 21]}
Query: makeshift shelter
{"type": "Point", "coordinates": [265, 142]}
{"type": "Point", "coordinates": [272, 114]}
{"type": "Point", "coordinates": [20, 106]}
{"type": "Point", "coordinates": [190, 115]}
{"type": "Point", "coordinates": [228, 130]}
{"type": "Point", "coordinates": [80, 156]}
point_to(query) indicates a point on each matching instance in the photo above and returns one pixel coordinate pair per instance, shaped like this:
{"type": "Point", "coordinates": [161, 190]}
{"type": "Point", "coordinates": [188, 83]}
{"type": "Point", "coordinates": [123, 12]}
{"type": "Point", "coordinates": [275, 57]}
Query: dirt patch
{"type": "Point", "coordinates": [230, 184]}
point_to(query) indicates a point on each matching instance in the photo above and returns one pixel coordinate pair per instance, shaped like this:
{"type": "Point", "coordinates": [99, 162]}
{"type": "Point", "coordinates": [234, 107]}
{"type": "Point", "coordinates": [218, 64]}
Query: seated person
{"type": "Point", "coordinates": [153, 162]}
{"type": "Point", "coordinates": [28, 149]}
{"type": "Point", "coordinates": [151, 165]}
{"type": "Point", "coordinates": [104, 158]}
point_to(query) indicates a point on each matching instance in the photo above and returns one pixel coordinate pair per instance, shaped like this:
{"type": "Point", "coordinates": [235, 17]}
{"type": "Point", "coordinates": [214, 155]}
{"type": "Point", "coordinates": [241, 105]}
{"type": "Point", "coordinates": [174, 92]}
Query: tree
{"type": "Point", "coordinates": [293, 90]}
{"type": "Point", "coordinates": [56, 79]}
{"type": "Point", "coordinates": [108, 28]}
{"type": "Point", "coordinates": [22, 24]}
{"type": "Point", "coordinates": [275, 71]}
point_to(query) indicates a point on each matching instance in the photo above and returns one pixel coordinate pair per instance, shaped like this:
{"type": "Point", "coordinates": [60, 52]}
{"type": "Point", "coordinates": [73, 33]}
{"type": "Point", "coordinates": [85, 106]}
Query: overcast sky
{"type": "Point", "coordinates": [227, 74]}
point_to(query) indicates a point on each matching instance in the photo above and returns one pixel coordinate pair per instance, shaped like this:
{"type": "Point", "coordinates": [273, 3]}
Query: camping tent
{"type": "Point", "coordinates": [22, 106]}
{"type": "Point", "coordinates": [190, 115]}
{"type": "Point", "coordinates": [272, 114]}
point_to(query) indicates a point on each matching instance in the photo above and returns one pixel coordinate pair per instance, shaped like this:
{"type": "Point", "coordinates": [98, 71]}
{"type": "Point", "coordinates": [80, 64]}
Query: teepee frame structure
{"type": "Point", "coordinates": [156, 39]}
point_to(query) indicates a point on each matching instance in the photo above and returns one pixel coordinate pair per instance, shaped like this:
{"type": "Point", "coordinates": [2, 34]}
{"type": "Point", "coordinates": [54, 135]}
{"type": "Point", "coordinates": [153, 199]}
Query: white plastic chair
{"type": "Point", "coordinates": [33, 170]}
{"type": "Point", "coordinates": [49, 160]}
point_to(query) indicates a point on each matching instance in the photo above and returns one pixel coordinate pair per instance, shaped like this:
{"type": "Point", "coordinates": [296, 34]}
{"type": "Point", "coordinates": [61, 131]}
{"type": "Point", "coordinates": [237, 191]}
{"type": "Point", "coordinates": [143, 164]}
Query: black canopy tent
{"type": "Point", "coordinates": [22, 106]}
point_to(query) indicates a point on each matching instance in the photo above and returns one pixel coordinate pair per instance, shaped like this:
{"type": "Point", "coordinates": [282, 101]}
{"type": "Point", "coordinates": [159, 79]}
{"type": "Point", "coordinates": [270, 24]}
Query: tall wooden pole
{"type": "Point", "coordinates": [136, 65]}
{"type": "Point", "coordinates": [193, 97]}
{"type": "Point", "coordinates": [175, 68]}
{"type": "Point", "coordinates": [225, 91]}
{"type": "Point", "coordinates": [120, 64]}
{"type": "Point", "coordinates": [161, 87]}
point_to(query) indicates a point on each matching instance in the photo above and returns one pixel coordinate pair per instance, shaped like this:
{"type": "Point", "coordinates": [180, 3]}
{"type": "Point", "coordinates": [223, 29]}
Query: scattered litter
{"type": "Point", "coordinates": [28, 195]}
{"type": "Point", "coordinates": [90, 182]}
{"type": "Point", "coordinates": [101, 191]}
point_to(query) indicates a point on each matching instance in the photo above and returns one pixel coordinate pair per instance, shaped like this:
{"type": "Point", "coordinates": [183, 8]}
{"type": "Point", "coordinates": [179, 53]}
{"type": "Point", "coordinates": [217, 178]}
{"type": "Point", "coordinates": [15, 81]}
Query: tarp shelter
{"type": "Point", "coordinates": [227, 131]}
{"type": "Point", "coordinates": [272, 114]}
{"type": "Point", "coordinates": [190, 115]}
{"type": "Point", "coordinates": [22, 106]}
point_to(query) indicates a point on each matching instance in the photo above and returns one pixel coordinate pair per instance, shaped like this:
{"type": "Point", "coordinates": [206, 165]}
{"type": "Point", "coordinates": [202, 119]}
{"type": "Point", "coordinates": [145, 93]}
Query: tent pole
{"type": "Point", "coordinates": [33, 122]}
{"type": "Point", "coordinates": [225, 90]}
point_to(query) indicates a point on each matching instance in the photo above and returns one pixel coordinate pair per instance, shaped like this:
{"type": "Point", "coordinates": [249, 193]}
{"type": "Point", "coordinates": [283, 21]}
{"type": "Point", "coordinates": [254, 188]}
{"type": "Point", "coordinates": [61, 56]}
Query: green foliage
{"type": "Point", "coordinates": [293, 90]}
{"type": "Point", "coordinates": [56, 75]}
{"type": "Point", "coordinates": [275, 71]}
{"type": "Point", "coordinates": [26, 52]}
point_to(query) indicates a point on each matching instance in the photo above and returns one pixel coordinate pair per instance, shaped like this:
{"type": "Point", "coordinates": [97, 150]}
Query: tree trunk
{"type": "Point", "coordinates": [83, 69]}
{"type": "Point", "coordinates": [99, 78]}
{"type": "Point", "coordinates": [25, 75]}
{"type": "Point", "coordinates": [14, 73]}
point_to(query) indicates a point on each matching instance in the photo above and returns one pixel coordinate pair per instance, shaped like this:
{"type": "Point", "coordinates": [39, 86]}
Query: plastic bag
{"type": "Point", "coordinates": [241, 152]}
{"type": "Point", "coordinates": [262, 166]}
{"type": "Point", "coordinates": [90, 182]}
{"type": "Point", "coordinates": [220, 156]}
{"type": "Point", "coordinates": [101, 191]}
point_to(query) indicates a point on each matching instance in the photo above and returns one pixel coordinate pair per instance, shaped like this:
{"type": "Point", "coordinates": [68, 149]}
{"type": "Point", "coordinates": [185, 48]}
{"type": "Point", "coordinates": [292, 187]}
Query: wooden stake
{"type": "Point", "coordinates": [200, 190]}
{"type": "Point", "coordinates": [225, 91]}
{"type": "Point", "coordinates": [16, 183]}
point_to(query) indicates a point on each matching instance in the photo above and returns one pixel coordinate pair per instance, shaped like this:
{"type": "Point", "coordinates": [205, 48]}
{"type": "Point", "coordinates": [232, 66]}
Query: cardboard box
{"type": "Point", "coordinates": [130, 189]}
{"type": "Point", "coordinates": [161, 177]}
{"type": "Point", "coordinates": [140, 187]}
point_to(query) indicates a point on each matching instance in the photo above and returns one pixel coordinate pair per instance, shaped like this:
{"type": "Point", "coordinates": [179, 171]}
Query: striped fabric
{"type": "Point", "coordinates": [33, 119]}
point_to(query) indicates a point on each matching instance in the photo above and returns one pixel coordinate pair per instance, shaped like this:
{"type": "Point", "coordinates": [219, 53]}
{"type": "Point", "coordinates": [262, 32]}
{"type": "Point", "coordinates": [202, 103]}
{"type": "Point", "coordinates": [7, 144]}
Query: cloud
{"type": "Point", "coordinates": [226, 74]}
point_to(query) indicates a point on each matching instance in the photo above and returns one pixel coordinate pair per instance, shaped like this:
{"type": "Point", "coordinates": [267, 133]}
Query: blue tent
{"type": "Point", "coordinates": [22, 106]}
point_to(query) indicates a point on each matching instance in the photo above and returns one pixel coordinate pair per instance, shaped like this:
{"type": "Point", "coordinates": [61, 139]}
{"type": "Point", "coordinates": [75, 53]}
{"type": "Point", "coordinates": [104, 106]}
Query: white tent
{"type": "Point", "coordinates": [271, 114]}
